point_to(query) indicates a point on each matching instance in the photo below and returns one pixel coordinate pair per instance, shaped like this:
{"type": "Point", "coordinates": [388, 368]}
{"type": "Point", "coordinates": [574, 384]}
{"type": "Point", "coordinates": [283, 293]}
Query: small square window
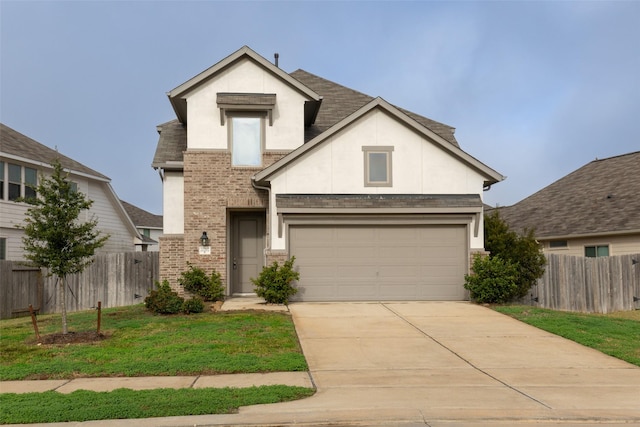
{"type": "Point", "coordinates": [377, 166]}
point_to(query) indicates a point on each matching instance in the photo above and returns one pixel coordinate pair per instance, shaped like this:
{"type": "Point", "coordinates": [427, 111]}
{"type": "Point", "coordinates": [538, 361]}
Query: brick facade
{"type": "Point", "coordinates": [212, 189]}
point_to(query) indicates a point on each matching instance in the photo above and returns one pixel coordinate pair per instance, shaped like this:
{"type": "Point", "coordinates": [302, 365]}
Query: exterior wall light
{"type": "Point", "coordinates": [204, 239]}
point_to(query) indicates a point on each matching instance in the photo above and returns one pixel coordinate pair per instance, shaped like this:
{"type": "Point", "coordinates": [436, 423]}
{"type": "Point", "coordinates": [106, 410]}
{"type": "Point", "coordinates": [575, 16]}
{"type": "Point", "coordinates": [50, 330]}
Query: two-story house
{"type": "Point", "coordinates": [22, 161]}
{"type": "Point", "coordinates": [374, 202]}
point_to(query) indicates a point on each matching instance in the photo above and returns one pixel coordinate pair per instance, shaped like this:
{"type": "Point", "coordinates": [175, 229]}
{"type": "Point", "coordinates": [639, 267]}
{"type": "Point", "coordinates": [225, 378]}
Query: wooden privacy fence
{"type": "Point", "coordinates": [115, 279]}
{"type": "Point", "coordinates": [593, 285]}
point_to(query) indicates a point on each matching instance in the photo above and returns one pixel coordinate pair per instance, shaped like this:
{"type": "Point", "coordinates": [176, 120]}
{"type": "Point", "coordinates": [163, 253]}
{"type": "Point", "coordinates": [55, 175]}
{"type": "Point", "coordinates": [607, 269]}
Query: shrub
{"type": "Point", "coordinates": [274, 283]}
{"type": "Point", "coordinates": [164, 300]}
{"type": "Point", "coordinates": [193, 305]}
{"type": "Point", "coordinates": [196, 281]}
{"type": "Point", "coordinates": [521, 250]}
{"type": "Point", "coordinates": [493, 280]}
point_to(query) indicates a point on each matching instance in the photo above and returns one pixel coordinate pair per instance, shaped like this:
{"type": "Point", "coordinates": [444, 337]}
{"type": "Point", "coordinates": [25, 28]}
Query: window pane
{"type": "Point", "coordinates": [378, 167]}
{"type": "Point", "coordinates": [1, 180]}
{"type": "Point", "coordinates": [247, 142]}
{"type": "Point", "coordinates": [14, 191]}
{"type": "Point", "coordinates": [590, 251]}
{"type": "Point", "coordinates": [14, 173]}
{"type": "Point", "coordinates": [3, 248]}
{"type": "Point", "coordinates": [603, 250]}
{"type": "Point", "coordinates": [30, 179]}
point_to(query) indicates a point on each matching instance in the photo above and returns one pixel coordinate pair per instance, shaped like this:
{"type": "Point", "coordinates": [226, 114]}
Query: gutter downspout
{"type": "Point", "coordinates": [268, 239]}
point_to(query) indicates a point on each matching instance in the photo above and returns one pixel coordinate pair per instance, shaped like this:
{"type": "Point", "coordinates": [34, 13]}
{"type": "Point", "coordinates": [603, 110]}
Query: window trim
{"type": "Point", "coordinates": [384, 149]}
{"type": "Point", "coordinates": [246, 114]}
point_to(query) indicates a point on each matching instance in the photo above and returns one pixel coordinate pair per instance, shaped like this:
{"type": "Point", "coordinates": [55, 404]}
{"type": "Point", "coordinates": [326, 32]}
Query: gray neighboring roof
{"type": "Point", "coordinates": [142, 218]}
{"type": "Point", "coordinates": [339, 101]}
{"type": "Point", "coordinates": [601, 197]}
{"type": "Point", "coordinates": [16, 144]}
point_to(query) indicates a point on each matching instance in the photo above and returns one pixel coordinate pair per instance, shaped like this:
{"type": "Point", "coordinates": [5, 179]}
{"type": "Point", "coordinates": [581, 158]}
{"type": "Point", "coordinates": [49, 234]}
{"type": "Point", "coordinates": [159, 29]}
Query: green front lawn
{"type": "Point", "coordinates": [138, 343]}
{"type": "Point", "coordinates": [616, 334]}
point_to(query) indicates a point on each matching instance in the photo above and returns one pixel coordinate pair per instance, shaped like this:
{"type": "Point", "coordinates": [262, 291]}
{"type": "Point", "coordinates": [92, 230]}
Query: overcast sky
{"type": "Point", "coordinates": [535, 90]}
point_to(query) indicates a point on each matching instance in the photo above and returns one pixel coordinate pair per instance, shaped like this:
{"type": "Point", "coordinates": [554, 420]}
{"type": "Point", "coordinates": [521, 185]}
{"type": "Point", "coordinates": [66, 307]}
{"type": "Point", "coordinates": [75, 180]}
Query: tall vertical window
{"type": "Point", "coordinates": [30, 181]}
{"type": "Point", "coordinates": [377, 166]}
{"type": "Point", "coordinates": [15, 181]}
{"type": "Point", "coordinates": [1, 180]}
{"type": "Point", "coordinates": [246, 141]}
{"type": "Point", "coordinates": [3, 248]}
{"type": "Point", "coordinates": [596, 251]}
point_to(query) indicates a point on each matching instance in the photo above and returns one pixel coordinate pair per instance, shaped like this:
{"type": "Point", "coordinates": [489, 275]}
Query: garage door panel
{"type": "Point", "coordinates": [380, 262]}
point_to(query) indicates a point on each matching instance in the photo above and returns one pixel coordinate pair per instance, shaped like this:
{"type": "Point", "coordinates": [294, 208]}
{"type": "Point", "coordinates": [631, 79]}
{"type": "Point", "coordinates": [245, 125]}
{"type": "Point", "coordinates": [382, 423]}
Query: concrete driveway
{"type": "Point", "coordinates": [449, 363]}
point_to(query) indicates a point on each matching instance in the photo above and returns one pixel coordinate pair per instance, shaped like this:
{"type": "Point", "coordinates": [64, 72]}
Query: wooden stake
{"type": "Point", "coordinates": [99, 315]}
{"type": "Point", "coordinates": [35, 323]}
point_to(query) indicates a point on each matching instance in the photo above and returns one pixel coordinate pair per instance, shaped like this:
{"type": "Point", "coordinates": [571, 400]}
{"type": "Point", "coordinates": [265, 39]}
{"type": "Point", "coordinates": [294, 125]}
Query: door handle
{"type": "Point", "coordinates": [235, 264]}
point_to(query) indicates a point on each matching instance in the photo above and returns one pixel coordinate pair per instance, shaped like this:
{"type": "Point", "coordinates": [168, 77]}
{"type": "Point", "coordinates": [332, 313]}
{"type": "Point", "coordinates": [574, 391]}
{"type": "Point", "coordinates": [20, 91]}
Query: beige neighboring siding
{"type": "Point", "coordinates": [378, 263]}
{"type": "Point", "coordinates": [110, 221]}
{"type": "Point", "coordinates": [618, 245]}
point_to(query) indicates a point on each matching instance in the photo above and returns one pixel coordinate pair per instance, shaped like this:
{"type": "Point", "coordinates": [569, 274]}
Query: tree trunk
{"type": "Point", "coordinates": [62, 301]}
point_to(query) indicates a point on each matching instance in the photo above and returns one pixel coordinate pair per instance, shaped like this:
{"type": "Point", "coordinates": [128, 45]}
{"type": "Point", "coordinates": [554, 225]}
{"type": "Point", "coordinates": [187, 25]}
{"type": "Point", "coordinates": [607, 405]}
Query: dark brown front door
{"type": "Point", "coordinates": [247, 250]}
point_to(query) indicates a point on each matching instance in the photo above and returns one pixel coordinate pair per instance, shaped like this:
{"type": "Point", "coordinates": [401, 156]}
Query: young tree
{"type": "Point", "coordinates": [521, 250]}
{"type": "Point", "coordinates": [55, 237]}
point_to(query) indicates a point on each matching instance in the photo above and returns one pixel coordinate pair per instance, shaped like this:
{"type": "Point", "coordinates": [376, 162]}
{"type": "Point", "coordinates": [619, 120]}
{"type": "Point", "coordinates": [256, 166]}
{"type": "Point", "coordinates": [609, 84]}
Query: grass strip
{"type": "Point", "coordinates": [610, 334]}
{"type": "Point", "coordinates": [138, 343]}
{"type": "Point", "coordinates": [51, 406]}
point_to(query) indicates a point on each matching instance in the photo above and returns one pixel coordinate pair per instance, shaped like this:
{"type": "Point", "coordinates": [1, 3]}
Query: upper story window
{"type": "Point", "coordinates": [245, 115]}
{"type": "Point", "coordinates": [246, 134]}
{"type": "Point", "coordinates": [596, 251]}
{"type": "Point", "coordinates": [19, 181]}
{"type": "Point", "coordinates": [377, 166]}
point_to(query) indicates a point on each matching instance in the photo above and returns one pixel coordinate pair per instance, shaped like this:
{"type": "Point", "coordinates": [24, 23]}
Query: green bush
{"type": "Point", "coordinates": [274, 283]}
{"type": "Point", "coordinates": [193, 305]}
{"type": "Point", "coordinates": [522, 250]}
{"type": "Point", "coordinates": [164, 300]}
{"type": "Point", "coordinates": [196, 281]}
{"type": "Point", "coordinates": [493, 280]}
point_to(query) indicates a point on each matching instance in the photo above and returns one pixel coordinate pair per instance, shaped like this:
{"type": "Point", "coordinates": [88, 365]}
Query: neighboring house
{"type": "Point", "coordinates": [149, 226]}
{"type": "Point", "coordinates": [374, 202]}
{"type": "Point", "coordinates": [593, 211]}
{"type": "Point", "coordinates": [22, 161]}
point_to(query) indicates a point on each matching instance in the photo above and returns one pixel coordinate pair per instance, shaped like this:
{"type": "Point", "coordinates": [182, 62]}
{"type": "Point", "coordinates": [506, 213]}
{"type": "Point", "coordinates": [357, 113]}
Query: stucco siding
{"type": "Point", "coordinates": [337, 166]}
{"type": "Point", "coordinates": [173, 203]}
{"type": "Point", "coordinates": [203, 115]}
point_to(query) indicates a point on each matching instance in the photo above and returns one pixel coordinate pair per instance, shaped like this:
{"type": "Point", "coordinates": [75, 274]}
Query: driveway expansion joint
{"type": "Point", "coordinates": [468, 362]}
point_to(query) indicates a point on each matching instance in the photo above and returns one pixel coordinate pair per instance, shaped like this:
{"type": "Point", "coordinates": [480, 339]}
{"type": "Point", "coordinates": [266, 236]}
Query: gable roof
{"type": "Point", "coordinates": [491, 176]}
{"type": "Point", "coordinates": [177, 95]}
{"type": "Point", "coordinates": [20, 147]}
{"type": "Point", "coordinates": [331, 103]}
{"type": "Point", "coordinates": [599, 198]}
{"type": "Point", "coordinates": [142, 218]}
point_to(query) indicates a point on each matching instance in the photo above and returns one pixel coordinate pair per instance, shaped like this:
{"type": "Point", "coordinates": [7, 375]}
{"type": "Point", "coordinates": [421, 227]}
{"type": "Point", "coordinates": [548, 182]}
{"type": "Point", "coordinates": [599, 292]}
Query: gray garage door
{"type": "Point", "coordinates": [379, 263]}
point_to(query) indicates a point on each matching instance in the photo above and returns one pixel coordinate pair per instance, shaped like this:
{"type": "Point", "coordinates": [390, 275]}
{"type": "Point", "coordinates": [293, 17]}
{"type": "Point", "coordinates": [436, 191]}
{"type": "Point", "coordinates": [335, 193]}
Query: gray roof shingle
{"type": "Point", "coordinates": [142, 218]}
{"type": "Point", "coordinates": [17, 144]}
{"type": "Point", "coordinates": [601, 197]}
